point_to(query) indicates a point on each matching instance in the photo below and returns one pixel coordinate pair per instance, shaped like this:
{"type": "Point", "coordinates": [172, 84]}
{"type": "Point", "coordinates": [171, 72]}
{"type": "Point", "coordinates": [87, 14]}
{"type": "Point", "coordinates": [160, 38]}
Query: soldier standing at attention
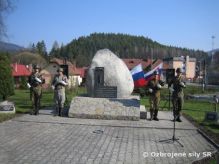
{"type": "Point", "coordinates": [58, 84]}
{"type": "Point", "coordinates": [154, 87]}
{"type": "Point", "coordinates": [177, 94]}
{"type": "Point", "coordinates": [35, 82]}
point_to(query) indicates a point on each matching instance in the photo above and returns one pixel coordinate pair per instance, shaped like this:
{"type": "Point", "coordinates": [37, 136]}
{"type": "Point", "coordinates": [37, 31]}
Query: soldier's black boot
{"type": "Point", "coordinates": [178, 119]}
{"type": "Point", "coordinates": [151, 115]}
{"type": "Point", "coordinates": [31, 112]}
{"type": "Point", "coordinates": [59, 111]}
{"type": "Point", "coordinates": [155, 115]}
{"type": "Point", "coordinates": [55, 112]}
{"type": "Point", "coordinates": [37, 111]}
{"type": "Point", "coordinates": [156, 119]}
{"type": "Point", "coordinates": [175, 117]}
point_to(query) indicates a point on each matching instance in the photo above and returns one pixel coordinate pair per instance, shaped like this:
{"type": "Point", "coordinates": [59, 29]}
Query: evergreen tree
{"type": "Point", "coordinates": [44, 52]}
{"type": "Point", "coordinates": [33, 48]}
{"type": "Point", "coordinates": [41, 48]}
{"type": "Point", "coordinates": [55, 50]}
{"type": "Point", "coordinates": [6, 79]}
{"type": "Point", "coordinates": [62, 51]}
{"type": "Point", "coordinates": [55, 45]}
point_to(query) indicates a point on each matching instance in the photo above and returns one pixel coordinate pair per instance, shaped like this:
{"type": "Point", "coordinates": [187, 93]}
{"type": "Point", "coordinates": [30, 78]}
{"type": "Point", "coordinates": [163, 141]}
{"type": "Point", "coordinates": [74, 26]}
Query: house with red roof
{"type": "Point", "coordinates": [131, 63]}
{"type": "Point", "coordinates": [75, 75]}
{"type": "Point", "coordinates": [20, 72]}
{"type": "Point", "coordinates": [146, 64]}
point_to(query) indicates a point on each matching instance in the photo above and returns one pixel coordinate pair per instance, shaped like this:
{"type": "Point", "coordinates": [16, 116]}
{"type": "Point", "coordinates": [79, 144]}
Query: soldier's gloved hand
{"type": "Point", "coordinates": [182, 84]}
{"type": "Point", "coordinates": [38, 80]}
{"type": "Point", "coordinates": [171, 89]}
{"type": "Point", "coordinates": [162, 83]}
{"type": "Point", "coordinates": [63, 82]}
{"type": "Point", "coordinates": [158, 86]}
{"type": "Point", "coordinates": [53, 87]}
{"type": "Point", "coordinates": [28, 85]}
{"type": "Point", "coordinates": [150, 90]}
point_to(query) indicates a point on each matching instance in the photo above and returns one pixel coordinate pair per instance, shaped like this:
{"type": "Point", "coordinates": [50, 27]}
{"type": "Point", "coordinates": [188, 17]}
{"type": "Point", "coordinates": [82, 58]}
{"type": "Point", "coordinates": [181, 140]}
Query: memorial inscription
{"type": "Point", "coordinates": [101, 91]}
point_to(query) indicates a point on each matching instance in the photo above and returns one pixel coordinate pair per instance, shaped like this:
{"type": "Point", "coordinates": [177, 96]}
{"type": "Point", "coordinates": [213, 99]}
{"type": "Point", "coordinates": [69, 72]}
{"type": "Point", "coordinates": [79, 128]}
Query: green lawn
{"type": "Point", "coordinates": [193, 108]}
{"type": "Point", "coordinates": [6, 116]}
{"type": "Point", "coordinates": [23, 104]}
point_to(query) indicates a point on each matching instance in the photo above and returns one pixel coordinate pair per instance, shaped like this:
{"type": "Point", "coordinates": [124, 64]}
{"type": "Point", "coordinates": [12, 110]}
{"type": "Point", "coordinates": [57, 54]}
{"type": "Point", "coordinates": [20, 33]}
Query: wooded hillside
{"type": "Point", "coordinates": [83, 49]}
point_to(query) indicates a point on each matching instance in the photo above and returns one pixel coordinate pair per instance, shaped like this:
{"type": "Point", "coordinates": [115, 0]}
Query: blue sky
{"type": "Point", "coordinates": [181, 23]}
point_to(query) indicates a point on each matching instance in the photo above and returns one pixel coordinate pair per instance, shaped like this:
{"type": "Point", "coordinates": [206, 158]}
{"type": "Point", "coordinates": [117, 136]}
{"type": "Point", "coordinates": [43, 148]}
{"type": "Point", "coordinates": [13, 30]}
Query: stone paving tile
{"type": "Point", "coordinates": [164, 122]}
{"type": "Point", "coordinates": [48, 139]}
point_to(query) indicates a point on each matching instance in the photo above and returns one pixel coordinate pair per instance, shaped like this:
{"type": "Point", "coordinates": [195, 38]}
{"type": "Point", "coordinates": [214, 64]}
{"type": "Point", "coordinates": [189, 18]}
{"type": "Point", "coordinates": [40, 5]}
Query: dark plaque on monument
{"type": "Point", "coordinates": [100, 90]}
{"type": "Point", "coordinates": [99, 77]}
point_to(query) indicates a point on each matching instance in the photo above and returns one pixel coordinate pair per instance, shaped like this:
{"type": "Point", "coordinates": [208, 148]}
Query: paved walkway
{"type": "Point", "coordinates": [50, 140]}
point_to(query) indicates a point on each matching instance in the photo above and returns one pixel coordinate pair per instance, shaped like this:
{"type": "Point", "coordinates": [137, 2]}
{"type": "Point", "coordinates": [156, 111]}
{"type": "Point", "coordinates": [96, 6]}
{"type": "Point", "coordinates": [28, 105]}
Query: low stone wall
{"type": "Point", "coordinates": [105, 108]}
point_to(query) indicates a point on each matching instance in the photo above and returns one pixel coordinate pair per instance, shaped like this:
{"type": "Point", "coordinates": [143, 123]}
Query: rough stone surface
{"type": "Point", "coordinates": [105, 108]}
{"type": "Point", "coordinates": [116, 73]}
{"type": "Point", "coordinates": [143, 112]}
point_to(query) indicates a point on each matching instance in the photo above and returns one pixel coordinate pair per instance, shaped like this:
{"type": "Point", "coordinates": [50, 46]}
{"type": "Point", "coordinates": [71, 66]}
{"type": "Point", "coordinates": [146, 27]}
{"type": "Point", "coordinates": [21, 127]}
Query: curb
{"type": "Point", "coordinates": [208, 139]}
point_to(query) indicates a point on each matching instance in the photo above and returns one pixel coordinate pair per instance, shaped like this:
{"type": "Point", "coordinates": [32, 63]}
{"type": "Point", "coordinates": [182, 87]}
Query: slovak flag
{"type": "Point", "coordinates": [149, 75]}
{"type": "Point", "coordinates": [138, 76]}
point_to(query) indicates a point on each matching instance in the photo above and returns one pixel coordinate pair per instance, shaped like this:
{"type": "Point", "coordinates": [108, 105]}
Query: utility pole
{"type": "Point", "coordinates": [204, 77]}
{"type": "Point", "coordinates": [212, 53]}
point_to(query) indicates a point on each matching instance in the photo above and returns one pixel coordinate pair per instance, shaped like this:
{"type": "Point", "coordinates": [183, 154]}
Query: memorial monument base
{"type": "Point", "coordinates": [105, 108]}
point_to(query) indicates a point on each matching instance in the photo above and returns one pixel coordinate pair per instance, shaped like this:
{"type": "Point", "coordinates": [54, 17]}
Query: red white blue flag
{"type": "Point", "coordinates": [149, 75]}
{"type": "Point", "coordinates": [138, 76]}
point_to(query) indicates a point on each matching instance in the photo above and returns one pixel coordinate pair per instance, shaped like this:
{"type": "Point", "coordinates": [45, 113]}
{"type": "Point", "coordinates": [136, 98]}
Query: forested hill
{"type": "Point", "coordinates": [9, 47]}
{"type": "Point", "coordinates": [83, 49]}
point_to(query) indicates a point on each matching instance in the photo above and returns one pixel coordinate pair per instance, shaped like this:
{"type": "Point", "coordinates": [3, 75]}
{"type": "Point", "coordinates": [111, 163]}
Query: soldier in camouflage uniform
{"type": "Point", "coordinates": [177, 94]}
{"type": "Point", "coordinates": [154, 87]}
{"type": "Point", "coordinates": [58, 84]}
{"type": "Point", "coordinates": [35, 82]}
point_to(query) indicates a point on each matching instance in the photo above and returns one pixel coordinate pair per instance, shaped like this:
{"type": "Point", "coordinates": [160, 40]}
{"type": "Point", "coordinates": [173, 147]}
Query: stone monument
{"type": "Point", "coordinates": [7, 107]}
{"type": "Point", "coordinates": [109, 86]}
{"type": "Point", "coordinates": [116, 73]}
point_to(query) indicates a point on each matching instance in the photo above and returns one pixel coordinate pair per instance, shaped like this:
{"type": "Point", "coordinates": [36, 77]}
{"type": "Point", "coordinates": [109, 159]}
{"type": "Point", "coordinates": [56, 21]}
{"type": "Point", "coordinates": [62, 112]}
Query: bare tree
{"type": "Point", "coordinates": [6, 6]}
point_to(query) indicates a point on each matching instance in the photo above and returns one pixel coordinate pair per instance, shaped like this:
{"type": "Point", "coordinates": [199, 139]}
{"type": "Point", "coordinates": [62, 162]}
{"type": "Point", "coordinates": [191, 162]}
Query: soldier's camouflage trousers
{"type": "Point", "coordinates": [177, 105]}
{"type": "Point", "coordinates": [36, 94]}
{"type": "Point", "coordinates": [154, 102]}
{"type": "Point", "coordinates": [59, 98]}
